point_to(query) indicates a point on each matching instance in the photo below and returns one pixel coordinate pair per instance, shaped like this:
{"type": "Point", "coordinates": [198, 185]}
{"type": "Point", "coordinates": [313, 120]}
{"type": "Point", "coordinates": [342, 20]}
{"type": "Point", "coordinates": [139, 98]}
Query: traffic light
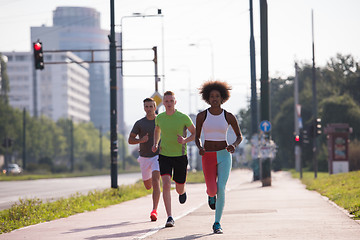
{"type": "Point", "coordinates": [38, 55]}
{"type": "Point", "coordinates": [297, 140]}
{"type": "Point", "coordinates": [305, 136]}
{"type": "Point", "coordinates": [318, 126]}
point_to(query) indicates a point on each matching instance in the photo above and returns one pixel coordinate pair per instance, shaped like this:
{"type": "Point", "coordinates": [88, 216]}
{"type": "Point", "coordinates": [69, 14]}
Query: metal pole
{"type": "Point", "coordinates": [35, 112]}
{"type": "Point", "coordinates": [314, 99]}
{"type": "Point", "coordinates": [113, 110]}
{"type": "Point", "coordinates": [156, 68]}
{"type": "Point", "coordinates": [24, 141]}
{"type": "Point", "coordinates": [296, 119]}
{"type": "Point", "coordinates": [254, 122]}
{"type": "Point", "coordinates": [71, 146]}
{"type": "Point", "coordinates": [100, 150]}
{"type": "Point", "coordinates": [6, 141]}
{"type": "Point", "coordinates": [265, 90]}
{"type": "Point", "coordinates": [253, 103]}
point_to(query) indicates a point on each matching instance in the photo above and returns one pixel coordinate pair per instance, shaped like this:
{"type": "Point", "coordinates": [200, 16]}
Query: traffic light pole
{"type": "Point", "coordinates": [314, 103]}
{"type": "Point", "coordinates": [298, 164]}
{"type": "Point", "coordinates": [113, 105]}
{"type": "Point", "coordinates": [265, 90]}
{"type": "Point", "coordinates": [35, 112]}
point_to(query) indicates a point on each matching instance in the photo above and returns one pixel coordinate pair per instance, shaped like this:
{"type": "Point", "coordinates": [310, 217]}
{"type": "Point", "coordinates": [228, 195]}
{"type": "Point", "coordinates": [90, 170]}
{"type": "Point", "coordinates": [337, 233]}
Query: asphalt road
{"type": "Point", "coordinates": [47, 189]}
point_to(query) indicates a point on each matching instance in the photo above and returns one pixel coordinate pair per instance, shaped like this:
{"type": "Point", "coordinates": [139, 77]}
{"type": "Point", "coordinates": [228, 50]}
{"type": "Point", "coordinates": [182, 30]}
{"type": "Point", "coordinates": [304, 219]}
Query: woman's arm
{"type": "Point", "coordinates": [200, 118]}
{"type": "Point", "coordinates": [235, 126]}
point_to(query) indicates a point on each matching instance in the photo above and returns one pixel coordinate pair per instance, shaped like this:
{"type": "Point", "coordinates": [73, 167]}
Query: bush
{"type": "Point", "coordinates": [93, 159]}
{"type": "Point", "coordinates": [38, 168]}
{"type": "Point", "coordinates": [322, 158]}
{"type": "Point", "coordinates": [46, 161]}
{"type": "Point", "coordinates": [61, 168]}
{"type": "Point", "coordinates": [83, 166]}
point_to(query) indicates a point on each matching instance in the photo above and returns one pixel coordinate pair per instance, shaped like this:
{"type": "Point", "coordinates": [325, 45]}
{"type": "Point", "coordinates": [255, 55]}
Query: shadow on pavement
{"type": "Point", "coordinates": [193, 236]}
{"type": "Point", "coordinates": [119, 235]}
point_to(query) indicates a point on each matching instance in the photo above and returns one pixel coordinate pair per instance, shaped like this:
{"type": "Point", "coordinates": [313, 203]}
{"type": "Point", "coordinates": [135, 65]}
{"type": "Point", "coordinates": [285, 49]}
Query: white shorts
{"type": "Point", "coordinates": [148, 165]}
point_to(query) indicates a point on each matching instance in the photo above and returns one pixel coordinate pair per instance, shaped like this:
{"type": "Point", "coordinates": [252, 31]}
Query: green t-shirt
{"type": "Point", "coordinates": [171, 126]}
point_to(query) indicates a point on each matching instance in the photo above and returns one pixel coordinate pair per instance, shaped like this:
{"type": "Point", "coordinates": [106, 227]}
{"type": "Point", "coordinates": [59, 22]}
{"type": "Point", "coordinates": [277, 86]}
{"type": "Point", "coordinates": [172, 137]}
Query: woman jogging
{"type": "Point", "coordinates": [216, 153]}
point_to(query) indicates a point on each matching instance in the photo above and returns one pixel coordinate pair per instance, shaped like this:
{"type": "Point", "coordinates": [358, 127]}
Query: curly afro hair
{"type": "Point", "coordinates": [223, 87]}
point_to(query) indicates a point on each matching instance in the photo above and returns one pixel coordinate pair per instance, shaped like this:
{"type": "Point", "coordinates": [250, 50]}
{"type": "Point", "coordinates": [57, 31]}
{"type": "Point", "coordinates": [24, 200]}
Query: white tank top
{"type": "Point", "coordinates": [215, 127]}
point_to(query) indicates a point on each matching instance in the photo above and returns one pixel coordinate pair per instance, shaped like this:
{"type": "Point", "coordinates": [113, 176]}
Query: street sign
{"type": "Point", "coordinates": [265, 126]}
{"type": "Point", "coordinates": [300, 122]}
{"type": "Point", "coordinates": [157, 98]}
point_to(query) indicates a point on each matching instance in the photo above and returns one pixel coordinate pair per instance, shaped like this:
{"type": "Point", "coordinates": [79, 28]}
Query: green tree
{"type": "Point", "coordinates": [245, 122]}
{"type": "Point", "coordinates": [10, 126]}
{"type": "Point", "coordinates": [4, 81]}
{"type": "Point", "coordinates": [349, 112]}
{"type": "Point", "coordinates": [338, 101]}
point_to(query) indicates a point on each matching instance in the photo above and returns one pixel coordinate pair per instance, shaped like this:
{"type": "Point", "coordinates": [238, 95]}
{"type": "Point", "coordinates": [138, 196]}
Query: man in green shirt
{"type": "Point", "coordinates": [171, 126]}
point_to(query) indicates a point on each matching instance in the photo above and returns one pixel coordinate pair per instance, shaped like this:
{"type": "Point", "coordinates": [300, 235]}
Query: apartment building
{"type": "Point", "coordinates": [62, 90]}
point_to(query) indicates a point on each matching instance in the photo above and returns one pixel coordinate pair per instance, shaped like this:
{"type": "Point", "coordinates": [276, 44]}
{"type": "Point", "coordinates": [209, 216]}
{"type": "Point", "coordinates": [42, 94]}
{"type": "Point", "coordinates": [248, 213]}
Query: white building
{"type": "Point", "coordinates": [62, 89]}
{"type": "Point", "coordinates": [19, 70]}
{"type": "Point", "coordinates": [78, 28]}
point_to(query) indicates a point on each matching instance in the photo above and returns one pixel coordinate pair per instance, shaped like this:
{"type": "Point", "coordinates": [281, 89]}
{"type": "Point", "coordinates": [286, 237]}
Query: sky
{"type": "Point", "coordinates": [199, 40]}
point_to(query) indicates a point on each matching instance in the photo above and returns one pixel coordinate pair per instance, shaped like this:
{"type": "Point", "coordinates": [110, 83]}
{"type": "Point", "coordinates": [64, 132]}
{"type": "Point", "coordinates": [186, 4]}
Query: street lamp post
{"type": "Point", "coordinates": [211, 52]}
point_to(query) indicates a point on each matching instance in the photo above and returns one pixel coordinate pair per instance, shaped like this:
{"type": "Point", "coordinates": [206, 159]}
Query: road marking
{"type": "Point", "coordinates": [156, 229]}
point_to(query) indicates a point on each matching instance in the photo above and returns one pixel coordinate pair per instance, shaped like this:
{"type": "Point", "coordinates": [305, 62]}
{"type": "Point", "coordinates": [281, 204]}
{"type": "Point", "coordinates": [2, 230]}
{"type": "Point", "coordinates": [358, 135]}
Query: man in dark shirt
{"type": "Point", "coordinates": [144, 129]}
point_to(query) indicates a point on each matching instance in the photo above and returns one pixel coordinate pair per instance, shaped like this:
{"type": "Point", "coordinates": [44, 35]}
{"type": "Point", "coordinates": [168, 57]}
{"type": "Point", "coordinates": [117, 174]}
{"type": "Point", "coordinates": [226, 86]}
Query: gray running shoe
{"type": "Point", "coordinates": [182, 198]}
{"type": "Point", "coordinates": [170, 222]}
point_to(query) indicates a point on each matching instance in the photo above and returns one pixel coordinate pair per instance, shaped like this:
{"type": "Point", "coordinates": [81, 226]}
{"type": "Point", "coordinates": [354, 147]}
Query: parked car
{"type": "Point", "coordinates": [13, 168]}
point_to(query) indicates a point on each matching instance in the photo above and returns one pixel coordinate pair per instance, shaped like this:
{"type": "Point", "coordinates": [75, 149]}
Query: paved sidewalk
{"type": "Point", "coordinates": [286, 210]}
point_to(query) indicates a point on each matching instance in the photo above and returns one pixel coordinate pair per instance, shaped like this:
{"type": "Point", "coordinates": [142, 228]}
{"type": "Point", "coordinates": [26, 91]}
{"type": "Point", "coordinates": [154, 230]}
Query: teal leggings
{"type": "Point", "coordinates": [217, 166]}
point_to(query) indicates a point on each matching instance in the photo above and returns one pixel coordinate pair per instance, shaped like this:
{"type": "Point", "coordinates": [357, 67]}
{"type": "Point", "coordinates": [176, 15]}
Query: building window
{"type": "Point", "coordinates": [19, 58]}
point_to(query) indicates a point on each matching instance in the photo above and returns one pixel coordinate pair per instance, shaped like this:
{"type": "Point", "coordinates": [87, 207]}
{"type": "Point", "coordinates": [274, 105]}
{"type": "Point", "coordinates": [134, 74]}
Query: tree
{"type": "Point", "coordinates": [245, 122]}
{"type": "Point", "coordinates": [4, 81]}
{"type": "Point", "coordinates": [349, 112]}
{"type": "Point", "coordinates": [338, 101]}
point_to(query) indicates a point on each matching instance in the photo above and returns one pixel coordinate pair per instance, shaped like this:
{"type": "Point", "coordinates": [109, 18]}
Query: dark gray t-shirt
{"type": "Point", "coordinates": [141, 128]}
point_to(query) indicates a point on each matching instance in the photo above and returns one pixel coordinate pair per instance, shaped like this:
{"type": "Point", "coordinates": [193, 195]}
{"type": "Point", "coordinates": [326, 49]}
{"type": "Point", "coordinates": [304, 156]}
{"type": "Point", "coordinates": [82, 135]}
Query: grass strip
{"type": "Point", "coordinates": [342, 188]}
{"type": "Point", "coordinates": [28, 212]}
{"type": "Point", "coordinates": [32, 211]}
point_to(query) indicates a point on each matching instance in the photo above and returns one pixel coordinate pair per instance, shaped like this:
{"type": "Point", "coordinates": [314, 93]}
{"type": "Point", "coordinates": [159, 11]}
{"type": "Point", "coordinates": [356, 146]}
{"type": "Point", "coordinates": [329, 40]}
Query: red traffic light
{"type": "Point", "coordinates": [37, 46]}
{"type": "Point", "coordinates": [38, 55]}
{"type": "Point", "coordinates": [297, 138]}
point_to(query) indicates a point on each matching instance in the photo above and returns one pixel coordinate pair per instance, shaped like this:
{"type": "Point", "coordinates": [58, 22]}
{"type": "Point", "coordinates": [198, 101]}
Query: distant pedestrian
{"type": "Point", "coordinates": [149, 165]}
{"type": "Point", "coordinates": [171, 126]}
{"type": "Point", "coordinates": [216, 153]}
